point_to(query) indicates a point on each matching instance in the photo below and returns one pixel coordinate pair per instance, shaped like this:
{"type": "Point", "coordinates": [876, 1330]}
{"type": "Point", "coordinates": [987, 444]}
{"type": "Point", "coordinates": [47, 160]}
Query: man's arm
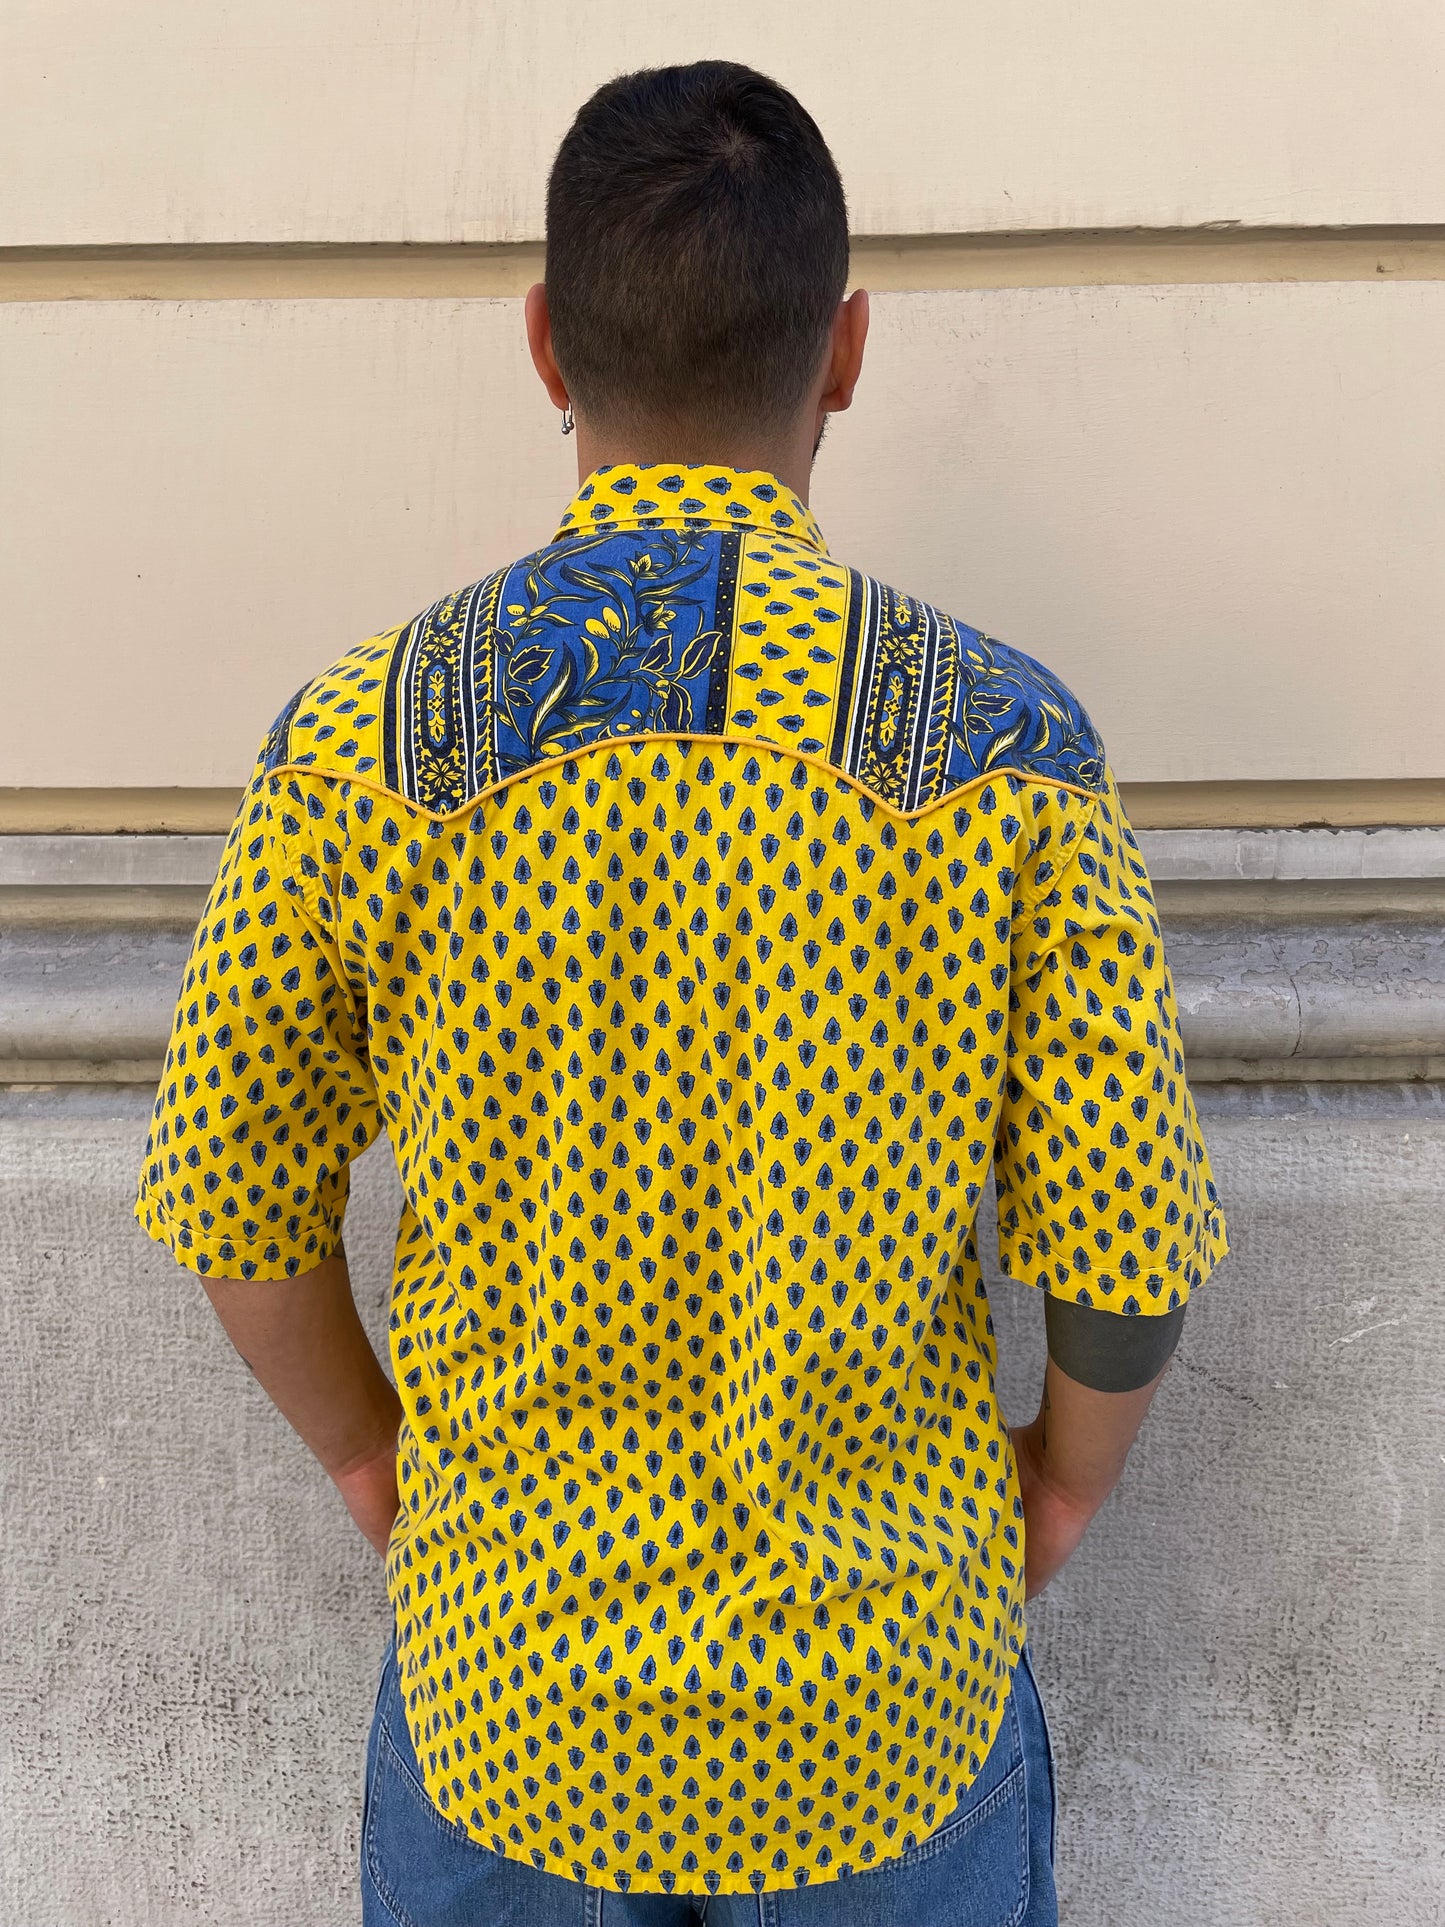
{"type": "Point", "coordinates": [1103, 1370]}
{"type": "Point", "coordinates": [304, 1342]}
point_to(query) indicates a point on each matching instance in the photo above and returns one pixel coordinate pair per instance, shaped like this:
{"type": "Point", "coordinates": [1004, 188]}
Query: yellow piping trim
{"type": "Point", "coordinates": [819, 763]}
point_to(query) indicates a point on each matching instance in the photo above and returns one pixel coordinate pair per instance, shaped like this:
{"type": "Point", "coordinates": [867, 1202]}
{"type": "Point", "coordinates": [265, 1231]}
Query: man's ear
{"type": "Point", "coordinates": [539, 340]}
{"type": "Point", "coordinates": [845, 353]}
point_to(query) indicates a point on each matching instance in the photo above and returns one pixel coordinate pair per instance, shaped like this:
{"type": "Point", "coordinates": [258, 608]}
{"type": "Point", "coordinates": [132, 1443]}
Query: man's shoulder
{"type": "Point", "coordinates": [925, 688]}
{"type": "Point", "coordinates": [390, 712]}
{"type": "Point", "coordinates": [333, 720]}
{"type": "Point", "coordinates": [601, 635]}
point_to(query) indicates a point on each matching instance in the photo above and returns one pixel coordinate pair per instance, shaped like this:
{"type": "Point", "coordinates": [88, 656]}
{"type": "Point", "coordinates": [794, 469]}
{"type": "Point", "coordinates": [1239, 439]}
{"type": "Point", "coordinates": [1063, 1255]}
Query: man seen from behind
{"type": "Point", "coordinates": [705, 925]}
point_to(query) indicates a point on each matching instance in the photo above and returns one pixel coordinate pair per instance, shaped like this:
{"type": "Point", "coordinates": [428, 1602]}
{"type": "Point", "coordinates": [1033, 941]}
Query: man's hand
{"type": "Point", "coordinates": [1054, 1523]}
{"type": "Point", "coordinates": [369, 1490]}
{"type": "Point", "coordinates": [1103, 1370]}
{"type": "Point", "coordinates": [303, 1340]}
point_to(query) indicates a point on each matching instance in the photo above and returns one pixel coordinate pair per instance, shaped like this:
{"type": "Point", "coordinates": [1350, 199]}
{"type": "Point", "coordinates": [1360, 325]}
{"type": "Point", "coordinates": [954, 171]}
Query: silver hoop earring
{"type": "Point", "coordinates": [568, 424]}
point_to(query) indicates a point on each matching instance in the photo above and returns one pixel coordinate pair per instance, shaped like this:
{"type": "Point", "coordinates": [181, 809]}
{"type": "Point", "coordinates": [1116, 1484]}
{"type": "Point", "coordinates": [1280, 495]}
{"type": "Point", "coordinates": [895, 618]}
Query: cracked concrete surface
{"type": "Point", "coordinates": [1310, 989]}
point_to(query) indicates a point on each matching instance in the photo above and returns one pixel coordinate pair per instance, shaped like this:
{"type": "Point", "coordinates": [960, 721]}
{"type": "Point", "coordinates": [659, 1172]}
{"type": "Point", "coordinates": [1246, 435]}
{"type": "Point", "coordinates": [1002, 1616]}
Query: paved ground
{"type": "Point", "coordinates": [1242, 1665]}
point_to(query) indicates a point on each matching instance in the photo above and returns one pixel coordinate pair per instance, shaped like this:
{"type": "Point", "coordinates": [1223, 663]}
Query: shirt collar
{"type": "Point", "coordinates": [660, 495]}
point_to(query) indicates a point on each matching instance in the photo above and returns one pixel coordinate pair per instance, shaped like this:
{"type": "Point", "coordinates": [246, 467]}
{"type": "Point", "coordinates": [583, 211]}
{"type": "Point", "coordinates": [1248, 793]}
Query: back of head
{"type": "Point", "coordinates": [697, 249]}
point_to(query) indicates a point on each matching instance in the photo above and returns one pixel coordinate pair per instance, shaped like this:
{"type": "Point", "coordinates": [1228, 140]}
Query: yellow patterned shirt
{"type": "Point", "coordinates": [703, 923]}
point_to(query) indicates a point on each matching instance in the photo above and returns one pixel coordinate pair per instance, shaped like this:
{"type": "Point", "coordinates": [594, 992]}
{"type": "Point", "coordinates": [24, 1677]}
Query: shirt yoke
{"type": "Point", "coordinates": [686, 631]}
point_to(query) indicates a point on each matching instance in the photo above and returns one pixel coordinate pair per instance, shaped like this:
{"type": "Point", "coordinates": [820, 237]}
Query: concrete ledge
{"type": "Point", "coordinates": [1321, 1073]}
{"type": "Point", "coordinates": [1316, 954]}
{"type": "Point", "coordinates": [1268, 1000]}
{"type": "Point", "coordinates": [1281, 856]}
{"type": "Point", "coordinates": [1312, 991]}
{"type": "Point", "coordinates": [86, 998]}
{"type": "Point", "coordinates": [1192, 856]}
{"type": "Point", "coordinates": [104, 862]}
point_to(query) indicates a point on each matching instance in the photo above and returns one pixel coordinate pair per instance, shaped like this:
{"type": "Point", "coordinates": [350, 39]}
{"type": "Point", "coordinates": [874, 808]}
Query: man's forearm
{"type": "Point", "coordinates": [1102, 1374]}
{"type": "Point", "coordinates": [306, 1345]}
{"type": "Point", "coordinates": [1084, 1435]}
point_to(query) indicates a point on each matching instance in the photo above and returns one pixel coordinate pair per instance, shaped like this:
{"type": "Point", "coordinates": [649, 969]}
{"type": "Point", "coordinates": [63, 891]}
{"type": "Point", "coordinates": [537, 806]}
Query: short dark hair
{"type": "Point", "coordinates": [697, 249]}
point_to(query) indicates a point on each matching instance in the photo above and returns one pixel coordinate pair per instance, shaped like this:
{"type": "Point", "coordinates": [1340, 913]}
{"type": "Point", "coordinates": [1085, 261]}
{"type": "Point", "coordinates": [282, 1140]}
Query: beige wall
{"type": "Point", "coordinates": [364, 120]}
{"type": "Point", "coordinates": [1214, 510]}
{"type": "Point", "coordinates": [1216, 505]}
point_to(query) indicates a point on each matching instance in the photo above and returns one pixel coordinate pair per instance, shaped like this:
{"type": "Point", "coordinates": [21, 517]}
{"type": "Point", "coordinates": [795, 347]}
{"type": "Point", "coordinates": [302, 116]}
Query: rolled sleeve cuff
{"type": "Point", "coordinates": [1134, 1282]}
{"type": "Point", "coordinates": [213, 1253]}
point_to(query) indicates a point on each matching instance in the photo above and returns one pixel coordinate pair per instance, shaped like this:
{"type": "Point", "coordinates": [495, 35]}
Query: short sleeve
{"type": "Point", "coordinates": [1104, 1188]}
{"type": "Point", "coordinates": [267, 1095]}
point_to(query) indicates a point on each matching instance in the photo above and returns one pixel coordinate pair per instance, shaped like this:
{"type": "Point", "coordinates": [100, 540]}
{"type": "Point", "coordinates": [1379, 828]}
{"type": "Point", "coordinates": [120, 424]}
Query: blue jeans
{"type": "Point", "coordinates": [989, 1865]}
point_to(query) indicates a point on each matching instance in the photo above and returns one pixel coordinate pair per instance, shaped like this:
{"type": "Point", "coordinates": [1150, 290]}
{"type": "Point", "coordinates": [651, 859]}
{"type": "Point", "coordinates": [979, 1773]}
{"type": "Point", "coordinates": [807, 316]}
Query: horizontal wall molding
{"type": "Point", "coordinates": [1183, 856]}
{"type": "Point", "coordinates": [1404, 803]}
{"type": "Point", "coordinates": [1362, 999]}
{"type": "Point", "coordinates": [1264, 805]}
{"type": "Point", "coordinates": [1292, 856]}
{"type": "Point", "coordinates": [105, 812]}
{"type": "Point", "coordinates": [887, 264]}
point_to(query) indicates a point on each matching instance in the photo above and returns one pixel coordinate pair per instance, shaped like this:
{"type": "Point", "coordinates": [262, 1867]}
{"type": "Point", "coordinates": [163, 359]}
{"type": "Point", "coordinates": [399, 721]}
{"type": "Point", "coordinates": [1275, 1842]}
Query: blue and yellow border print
{"type": "Point", "coordinates": [687, 603]}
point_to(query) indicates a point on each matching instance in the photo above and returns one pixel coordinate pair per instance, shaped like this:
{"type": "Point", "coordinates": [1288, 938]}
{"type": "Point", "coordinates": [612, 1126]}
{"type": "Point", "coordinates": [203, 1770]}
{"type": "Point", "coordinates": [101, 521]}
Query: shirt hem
{"type": "Point", "coordinates": [189, 1248]}
{"type": "Point", "coordinates": [1107, 1290]}
{"type": "Point", "coordinates": [695, 1882]}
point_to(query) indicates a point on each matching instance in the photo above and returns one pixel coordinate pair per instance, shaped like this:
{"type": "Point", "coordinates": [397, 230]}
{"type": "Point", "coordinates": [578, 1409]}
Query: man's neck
{"type": "Point", "coordinates": [789, 458]}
